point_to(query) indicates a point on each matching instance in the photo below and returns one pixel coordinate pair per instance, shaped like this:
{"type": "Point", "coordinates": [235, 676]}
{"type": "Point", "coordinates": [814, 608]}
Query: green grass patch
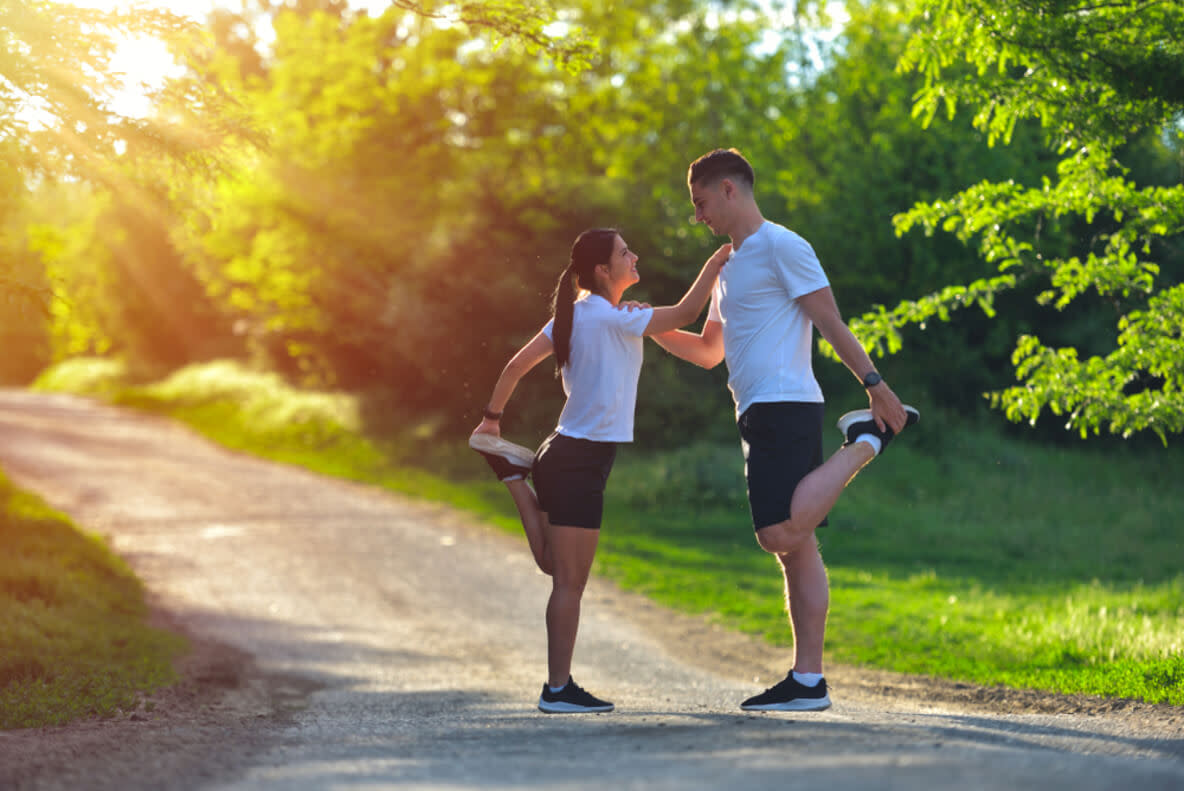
{"type": "Point", "coordinates": [990, 560]}
{"type": "Point", "coordinates": [73, 637]}
{"type": "Point", "coordinates": [964, 553]}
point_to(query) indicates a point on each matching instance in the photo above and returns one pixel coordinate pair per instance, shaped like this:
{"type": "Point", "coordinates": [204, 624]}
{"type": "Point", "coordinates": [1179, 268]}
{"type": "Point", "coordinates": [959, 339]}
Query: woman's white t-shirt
{"type": "Point", "coordinates": [767, 336]}
{"type": "Point", "coordinates": [600, 378]}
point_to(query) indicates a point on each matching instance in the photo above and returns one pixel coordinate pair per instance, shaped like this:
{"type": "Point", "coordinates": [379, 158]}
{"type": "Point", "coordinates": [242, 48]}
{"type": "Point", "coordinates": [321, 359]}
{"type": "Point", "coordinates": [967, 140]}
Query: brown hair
{"type": "Point", "coordinates": [592, 247]}
{"type": "Point", "coordinates": [718, 164]}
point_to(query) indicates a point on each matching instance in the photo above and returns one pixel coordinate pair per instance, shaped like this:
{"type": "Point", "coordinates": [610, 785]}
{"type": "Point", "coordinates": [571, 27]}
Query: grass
{"type": "Point", "coordinates": [980, 559]}
{"type": "Point", "coordinates": [971, 556]}
{"type": "Point", "coordinates": [73, 637]}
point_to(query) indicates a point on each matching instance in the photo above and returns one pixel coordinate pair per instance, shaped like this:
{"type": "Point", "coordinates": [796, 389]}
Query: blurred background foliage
{"type": "Point", "coordinates": [381, 203]}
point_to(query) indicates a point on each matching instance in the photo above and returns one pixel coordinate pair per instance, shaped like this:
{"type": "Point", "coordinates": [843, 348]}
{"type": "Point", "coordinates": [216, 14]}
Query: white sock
{"type": "Point", "coordinates": [807, 679]}
{"type": "Point", "coordinates": [872, 440]}
{"type": "Point", "coordinates": [557, 689]}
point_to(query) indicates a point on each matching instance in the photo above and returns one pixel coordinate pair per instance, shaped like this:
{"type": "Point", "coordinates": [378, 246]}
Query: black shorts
{"type": "Point", "coordinates": [569, 477]}
{"type": "Point", "coordinates": [782, 443]}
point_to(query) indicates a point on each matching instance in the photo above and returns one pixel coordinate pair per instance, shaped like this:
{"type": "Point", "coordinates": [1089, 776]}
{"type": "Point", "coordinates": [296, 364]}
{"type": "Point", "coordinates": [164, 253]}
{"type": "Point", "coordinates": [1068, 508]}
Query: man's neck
{"type": "Point", "coordinates": [746, 228]}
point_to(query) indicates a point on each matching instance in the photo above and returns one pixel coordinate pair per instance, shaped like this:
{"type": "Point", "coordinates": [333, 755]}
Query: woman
{"type": "Point", "coordinates": [598, 350]}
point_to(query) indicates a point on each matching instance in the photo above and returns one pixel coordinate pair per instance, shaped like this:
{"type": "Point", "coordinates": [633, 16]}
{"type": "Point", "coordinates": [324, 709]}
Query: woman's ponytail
{"type": "Point", "coordinates": [563, 309]}
{"type": "Point", "coordinates": [592, 248]}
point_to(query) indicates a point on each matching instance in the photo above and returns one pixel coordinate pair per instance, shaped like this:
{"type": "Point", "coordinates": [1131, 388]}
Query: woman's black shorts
{"type": "Point", "coordinates": [569, 477]}
{"type": "Point", "coordinates": [782, 443]}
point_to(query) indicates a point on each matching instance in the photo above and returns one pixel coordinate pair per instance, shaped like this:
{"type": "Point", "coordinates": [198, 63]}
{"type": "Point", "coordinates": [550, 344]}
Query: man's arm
{"type": "Point", "coordinates": [821, 308]}
{"type": "Point", "coordinates": [705, 349]}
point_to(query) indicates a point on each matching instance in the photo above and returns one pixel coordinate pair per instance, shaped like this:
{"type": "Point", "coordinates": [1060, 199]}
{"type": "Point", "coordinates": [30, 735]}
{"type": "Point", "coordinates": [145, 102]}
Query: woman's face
{"type": "Point", "coordinates": [622, 266]}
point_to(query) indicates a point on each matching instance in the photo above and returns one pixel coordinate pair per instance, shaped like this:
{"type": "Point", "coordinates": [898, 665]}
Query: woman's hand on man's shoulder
{"type": "Point", "coordinates": [632, 305]}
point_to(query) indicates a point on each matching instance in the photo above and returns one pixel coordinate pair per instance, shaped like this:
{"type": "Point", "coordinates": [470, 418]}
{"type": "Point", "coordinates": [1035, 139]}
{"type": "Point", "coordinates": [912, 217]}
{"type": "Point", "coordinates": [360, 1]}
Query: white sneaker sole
{"type": "Point", "coordinates": [515, 454]}
{"type": "Point", "coordinates": [860, 415]}
{"type": "Point", "coordinates": [850, 418]}
{"type": "Point", "coordinates": [558, 707]}
{"type": "Point", "coordinates": [797, 704]}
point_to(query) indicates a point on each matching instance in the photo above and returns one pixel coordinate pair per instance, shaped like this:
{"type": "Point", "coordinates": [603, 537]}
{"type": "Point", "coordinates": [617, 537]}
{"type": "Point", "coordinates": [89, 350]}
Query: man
{"type": "Point", "coordinates": [768, 298]}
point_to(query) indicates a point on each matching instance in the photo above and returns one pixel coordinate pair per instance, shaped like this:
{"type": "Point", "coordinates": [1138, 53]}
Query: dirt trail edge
{"type": "Point", "coordinates": [347, 638]}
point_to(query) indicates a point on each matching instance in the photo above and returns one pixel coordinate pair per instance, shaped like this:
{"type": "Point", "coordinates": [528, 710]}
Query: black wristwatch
{"type": "Point", "coordinates": [872, 379]}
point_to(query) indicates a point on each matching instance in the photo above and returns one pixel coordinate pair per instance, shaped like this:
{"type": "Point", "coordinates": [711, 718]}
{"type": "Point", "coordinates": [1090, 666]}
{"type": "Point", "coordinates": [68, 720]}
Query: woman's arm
{"type": "Point", "coordinates": [705, 349]}
{"type": "Point", "coordinates": [691, 305]}
{"type": "Point", "coordinates": [530, 355]}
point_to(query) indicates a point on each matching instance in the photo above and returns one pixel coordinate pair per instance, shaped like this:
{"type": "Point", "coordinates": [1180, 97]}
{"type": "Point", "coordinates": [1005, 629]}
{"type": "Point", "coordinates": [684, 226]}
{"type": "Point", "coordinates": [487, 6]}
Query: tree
{"type": "Point", "coordinates": [56, 83]}
{"type": "Point", "coordinates": [391, 129]}
{"type": "Point", "coordinates": [56, 87]}
{"type": "Point", "coordinates": [1100, 79]}
{"type": "Point", "coordinates": [24, 295]}
{"type": "Point", "coordinates": [534, 24]}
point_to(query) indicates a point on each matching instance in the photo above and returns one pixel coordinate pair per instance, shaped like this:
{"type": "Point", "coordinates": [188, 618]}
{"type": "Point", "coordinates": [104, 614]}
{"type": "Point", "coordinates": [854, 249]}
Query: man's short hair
{"type": "Point", "coordinates": [718, 164]}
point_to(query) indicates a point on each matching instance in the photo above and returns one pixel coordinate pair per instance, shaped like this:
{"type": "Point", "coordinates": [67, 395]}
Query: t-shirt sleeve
{"type": "Point", "coordinates": [548, 327]}
{"type": "Point", "coordinates": [633, 322]}
{"type": "Point", "coordinates": [798, 267]}
{"type": "Point", "coordinates": [713, 313]}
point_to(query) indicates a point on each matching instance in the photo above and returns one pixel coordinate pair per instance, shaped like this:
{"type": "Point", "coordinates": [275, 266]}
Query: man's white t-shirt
{"type": "Point", "coordinates": [600, 378]}
{"type": "Point", "coordinates": [767, 337]}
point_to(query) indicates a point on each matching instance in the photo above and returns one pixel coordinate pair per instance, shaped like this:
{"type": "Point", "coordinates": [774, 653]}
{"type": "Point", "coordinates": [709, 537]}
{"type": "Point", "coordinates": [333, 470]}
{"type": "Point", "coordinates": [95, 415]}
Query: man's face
{"type": "Point", "coordinates": [711, 205]}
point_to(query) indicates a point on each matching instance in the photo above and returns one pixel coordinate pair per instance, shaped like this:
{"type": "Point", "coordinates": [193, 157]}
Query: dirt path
{"type": "Point", "coordinates": [345, 638]}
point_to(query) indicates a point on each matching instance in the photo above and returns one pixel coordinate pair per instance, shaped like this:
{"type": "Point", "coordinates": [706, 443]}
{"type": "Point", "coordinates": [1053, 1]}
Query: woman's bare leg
{"type": "Point", "coordinates": [534, 521]}
{"type": "Point", "coordinates": [572, 550]}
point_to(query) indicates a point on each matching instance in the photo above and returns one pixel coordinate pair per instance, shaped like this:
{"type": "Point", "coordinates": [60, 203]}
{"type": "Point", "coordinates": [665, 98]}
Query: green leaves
{"type": "Point", "coordinates": [535, 25]}
{"type": "Point", "coordinates": [387, 200]}
{"type": "Point", "coordinates": [1087, 71]}
{"type": "Point", "coordinates": [879, 330]}
{"type": "Point", "coordinates": [1095, 77]}
{"type": "Point", "coordinates": [1138, 387]}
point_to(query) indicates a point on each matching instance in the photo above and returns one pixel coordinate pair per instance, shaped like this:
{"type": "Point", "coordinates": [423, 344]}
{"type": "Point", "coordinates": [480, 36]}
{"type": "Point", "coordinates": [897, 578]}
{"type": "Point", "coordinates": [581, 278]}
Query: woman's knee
{"type": "Point", "coordinates": [568, 581]}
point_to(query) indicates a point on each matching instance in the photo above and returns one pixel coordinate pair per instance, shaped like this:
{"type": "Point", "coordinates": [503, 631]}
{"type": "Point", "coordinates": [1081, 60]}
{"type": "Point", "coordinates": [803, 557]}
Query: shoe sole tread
{"type": "Point", "coordinates": [515, 454]}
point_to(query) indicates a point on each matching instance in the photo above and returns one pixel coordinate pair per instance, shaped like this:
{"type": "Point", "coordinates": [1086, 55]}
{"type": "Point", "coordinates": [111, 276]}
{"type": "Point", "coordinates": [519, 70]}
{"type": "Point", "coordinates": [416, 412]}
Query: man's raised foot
{"type": "Point", "coordinates": [858, 422]}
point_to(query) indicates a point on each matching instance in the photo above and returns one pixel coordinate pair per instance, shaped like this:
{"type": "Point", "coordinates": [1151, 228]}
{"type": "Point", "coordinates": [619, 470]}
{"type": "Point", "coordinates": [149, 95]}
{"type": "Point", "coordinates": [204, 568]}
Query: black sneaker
{"type": "Point", "coordinates": [572, 699]}
{"type": "Point", "coordinates": [507, 460]}
{"type": "Point", "coordinates": [859, 422]}
{"type": "Point", "coordinates": [790, 695]}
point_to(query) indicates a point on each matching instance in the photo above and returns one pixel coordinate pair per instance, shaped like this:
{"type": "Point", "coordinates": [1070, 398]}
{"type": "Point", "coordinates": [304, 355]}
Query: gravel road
{"type": "Point", "coordinates": [349, 638]}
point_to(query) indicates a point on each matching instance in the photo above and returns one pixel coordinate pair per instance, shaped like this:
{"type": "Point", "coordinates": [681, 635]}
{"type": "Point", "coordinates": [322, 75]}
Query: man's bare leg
{"type": "Point", "coordinates": [814, 497]}
{"type": "Point", "coordinates": [807, 600]}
